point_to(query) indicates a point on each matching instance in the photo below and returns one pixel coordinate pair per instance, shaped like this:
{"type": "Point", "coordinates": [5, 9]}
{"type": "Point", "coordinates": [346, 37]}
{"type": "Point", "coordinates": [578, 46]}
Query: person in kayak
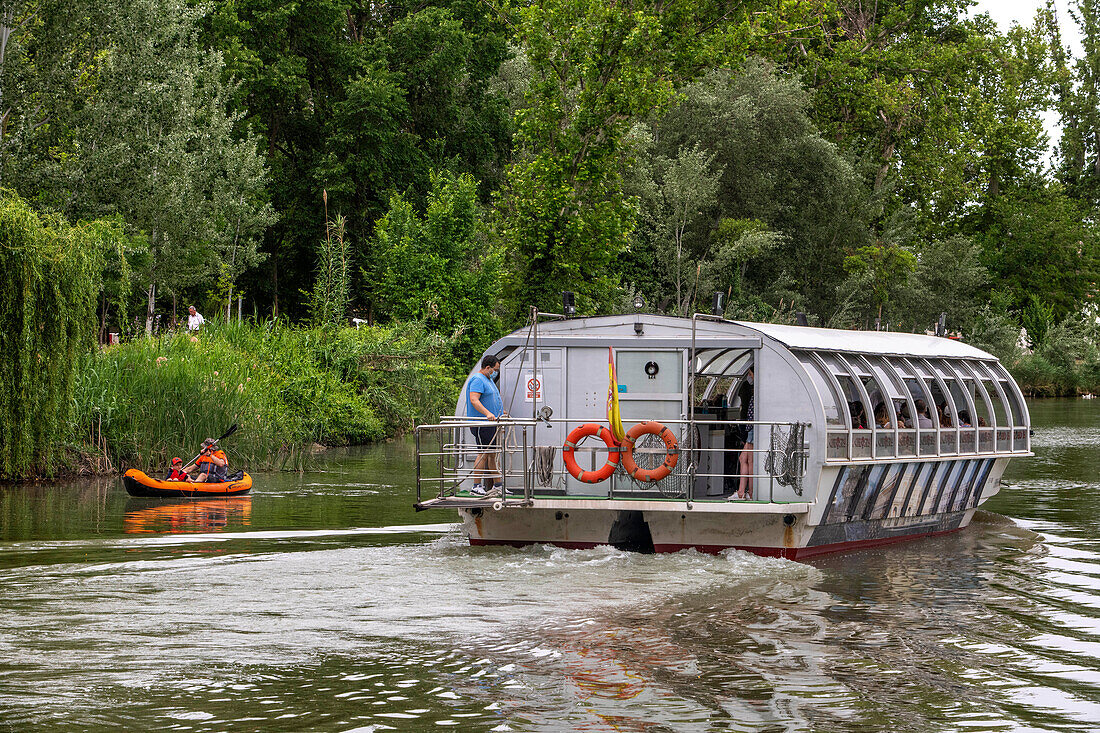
{"type": "Point", "coordinates": [177, 474]}
{"type": "Point", "coordinates": [212, 465]}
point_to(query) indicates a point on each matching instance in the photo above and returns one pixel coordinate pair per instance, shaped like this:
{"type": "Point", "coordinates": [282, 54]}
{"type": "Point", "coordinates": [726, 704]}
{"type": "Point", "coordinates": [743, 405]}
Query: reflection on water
{"type": "Point", "coordinates": [323, 609]}
{"type": "Point", "coordinates": [200, 515]}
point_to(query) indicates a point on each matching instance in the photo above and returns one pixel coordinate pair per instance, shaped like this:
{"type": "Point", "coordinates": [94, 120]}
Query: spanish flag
{"type": "Point", "coordinates": [614, 417]}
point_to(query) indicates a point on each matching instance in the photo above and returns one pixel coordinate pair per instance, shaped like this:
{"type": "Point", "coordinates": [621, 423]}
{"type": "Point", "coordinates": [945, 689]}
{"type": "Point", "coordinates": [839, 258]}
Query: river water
{"type": "Point", "coordinates": [324, 603]}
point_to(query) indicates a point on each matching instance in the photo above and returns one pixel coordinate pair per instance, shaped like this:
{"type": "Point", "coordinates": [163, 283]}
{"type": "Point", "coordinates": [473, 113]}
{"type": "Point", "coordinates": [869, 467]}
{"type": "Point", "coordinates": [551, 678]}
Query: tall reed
{"type": "Point", "coordinates": [152, 398]}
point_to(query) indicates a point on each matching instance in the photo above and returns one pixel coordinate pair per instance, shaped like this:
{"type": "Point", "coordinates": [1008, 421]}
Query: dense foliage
{"type": "Point", "coordinates": [453, 162]}
{"type": "Point", "coordinates": [817, 156]}
{"type": "Point", "coordinates": [48, 288]}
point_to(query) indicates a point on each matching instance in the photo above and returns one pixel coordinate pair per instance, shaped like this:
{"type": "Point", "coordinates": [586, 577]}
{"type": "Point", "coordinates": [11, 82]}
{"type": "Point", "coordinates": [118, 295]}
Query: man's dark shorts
{"type": "Point", "coordinates": [485, 435]}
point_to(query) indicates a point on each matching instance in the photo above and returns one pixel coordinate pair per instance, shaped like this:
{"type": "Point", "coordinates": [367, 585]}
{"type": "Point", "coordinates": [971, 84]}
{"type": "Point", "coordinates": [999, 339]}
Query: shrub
{"type": "Point", "coordinates": [149, 399]}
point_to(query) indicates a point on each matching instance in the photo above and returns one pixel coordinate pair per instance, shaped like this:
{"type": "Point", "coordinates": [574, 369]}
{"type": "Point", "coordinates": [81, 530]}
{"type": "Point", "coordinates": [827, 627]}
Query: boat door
{"type": "Point", "coordinates": [651, 387]}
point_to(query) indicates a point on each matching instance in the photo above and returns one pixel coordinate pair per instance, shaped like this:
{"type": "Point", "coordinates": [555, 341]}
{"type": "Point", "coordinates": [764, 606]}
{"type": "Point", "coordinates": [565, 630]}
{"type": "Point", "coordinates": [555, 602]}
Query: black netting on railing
{"type": "Point", "coordinates": [786, 457]}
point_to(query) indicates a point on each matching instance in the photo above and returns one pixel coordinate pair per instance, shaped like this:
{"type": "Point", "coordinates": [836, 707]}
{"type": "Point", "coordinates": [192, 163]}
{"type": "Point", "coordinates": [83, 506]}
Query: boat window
{"type": "Point", "coordinates": [722, 361]}
{"type": "Point", "coordinates": [649, 372]}
{"type": "Point", "coordinates": [1019, 415]}
{"type": "Point", "coordinates": [981, 407]}
{"type": "Point", "coordinates": [886, 376]}
{"type": "Point", "coordinates": [1003, 419]}
{"type": "Point", "coordinates": [1005, 396]}
{"type": "Point", "coordinates": [824, 387]}
{"type": "Point", "coordinates": [961, 403]}
{"type": "Point", "coordinates": [713, 396]}
{"type": "Point", "coordinates": [857, 410]}
{"type": "Point", "coordinates": [939, 401]}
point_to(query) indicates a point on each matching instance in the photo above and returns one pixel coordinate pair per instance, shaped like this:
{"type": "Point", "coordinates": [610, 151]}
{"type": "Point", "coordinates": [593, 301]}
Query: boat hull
{"type": "Point", "coordinates": [138, 483]}
{"type": "Point", "coordinates": [771, 534]}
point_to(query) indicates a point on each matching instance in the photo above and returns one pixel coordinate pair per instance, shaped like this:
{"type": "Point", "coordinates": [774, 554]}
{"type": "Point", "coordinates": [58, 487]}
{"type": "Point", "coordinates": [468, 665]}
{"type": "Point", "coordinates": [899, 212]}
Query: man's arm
{"type": "Point", "coordinates": [475, 400]}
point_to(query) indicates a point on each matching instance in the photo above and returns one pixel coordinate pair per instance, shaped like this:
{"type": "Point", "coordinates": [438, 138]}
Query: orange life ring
{"type": "Point", "coordinates": [575, 437]}
{"type": "Point", "coordinates": [650, 427]}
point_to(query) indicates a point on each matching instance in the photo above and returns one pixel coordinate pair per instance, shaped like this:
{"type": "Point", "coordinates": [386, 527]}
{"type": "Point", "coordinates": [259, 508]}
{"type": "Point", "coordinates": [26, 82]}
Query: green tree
{"type": "Point", "coordinates": [1041, 243]}
{"type": "Point", "coordinates": [800, 202]}
{"type": "Point", "coordinates": [437, 267]}
{"type": "Point", "coordinates": [949, 277]}
{"type": "Point", "coordinates": [880, 270]}
{"type": "Point", "coordinates": [363, 100]}
{"type": "Point", "coordinates": [595, 68]}
{"type": "Point", "coordinates": [1078, 91]}
{"type": "Point", "coordinates": [148, 137]}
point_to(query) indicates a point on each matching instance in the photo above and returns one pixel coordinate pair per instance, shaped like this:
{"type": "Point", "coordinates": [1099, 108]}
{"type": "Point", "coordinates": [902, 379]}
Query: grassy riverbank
{"type": "Point", "coordinates": [139, 403]}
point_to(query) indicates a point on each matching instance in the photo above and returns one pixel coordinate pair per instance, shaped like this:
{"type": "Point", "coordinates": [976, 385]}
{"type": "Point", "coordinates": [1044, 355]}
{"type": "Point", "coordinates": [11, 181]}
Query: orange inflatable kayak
{"type": "Point", "coordinates": [138, 484]}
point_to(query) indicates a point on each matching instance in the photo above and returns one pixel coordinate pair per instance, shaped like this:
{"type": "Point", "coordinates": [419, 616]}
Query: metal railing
{"type": "Point", "coordinates": [447, 454]}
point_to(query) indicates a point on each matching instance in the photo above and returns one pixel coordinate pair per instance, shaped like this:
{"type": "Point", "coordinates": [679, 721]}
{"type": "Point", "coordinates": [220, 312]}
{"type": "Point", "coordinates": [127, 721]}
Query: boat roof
{"type": "Point", "coordinates": [595, 329]}
{"type": "Point", "coordinates": [867, 342]}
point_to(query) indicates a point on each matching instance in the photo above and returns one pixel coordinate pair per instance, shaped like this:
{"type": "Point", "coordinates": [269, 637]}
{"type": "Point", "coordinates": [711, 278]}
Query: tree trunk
{"type": "Point", "coordinates": [275, 296]}
{"type": "Point", "coordinates": [151, 305]}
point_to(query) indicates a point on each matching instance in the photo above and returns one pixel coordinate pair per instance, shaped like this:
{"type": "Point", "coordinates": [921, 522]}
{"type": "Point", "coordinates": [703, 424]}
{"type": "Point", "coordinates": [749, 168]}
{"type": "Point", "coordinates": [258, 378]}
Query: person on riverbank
{"type": "Point", "coordinates": [483, 401]}
{"type": "Point", "coordinates": [212, 465]}
{"type": "Point", "coordinates": [194, 319]}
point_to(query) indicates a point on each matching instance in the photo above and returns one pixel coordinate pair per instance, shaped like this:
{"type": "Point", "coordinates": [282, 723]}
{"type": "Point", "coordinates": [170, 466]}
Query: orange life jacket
{"type": "Point", "coordinates": [207, 459]}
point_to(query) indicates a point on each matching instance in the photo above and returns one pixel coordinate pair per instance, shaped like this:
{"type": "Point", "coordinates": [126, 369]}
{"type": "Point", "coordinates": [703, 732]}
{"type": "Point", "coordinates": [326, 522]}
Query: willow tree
{"type": "Point", "coordinates": [49, 279]}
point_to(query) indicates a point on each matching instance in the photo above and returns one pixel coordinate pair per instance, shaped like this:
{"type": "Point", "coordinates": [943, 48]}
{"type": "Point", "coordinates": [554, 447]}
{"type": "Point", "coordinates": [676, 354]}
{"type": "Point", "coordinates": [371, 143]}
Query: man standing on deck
{"type": "Point", "coordinates": [483, 401]}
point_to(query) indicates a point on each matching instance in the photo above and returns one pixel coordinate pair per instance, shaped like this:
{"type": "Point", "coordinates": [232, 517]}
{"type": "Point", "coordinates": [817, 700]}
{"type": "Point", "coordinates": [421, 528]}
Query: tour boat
{"type": "Point", "coordinates": [861, 438]}
{"type": "Point", "coordinates": [139, 484]}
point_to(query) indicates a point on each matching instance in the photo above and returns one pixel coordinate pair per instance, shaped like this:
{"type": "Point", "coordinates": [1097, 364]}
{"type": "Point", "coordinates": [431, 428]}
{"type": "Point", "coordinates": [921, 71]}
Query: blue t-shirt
{"type": "Point", "coordinates": [490, 396]}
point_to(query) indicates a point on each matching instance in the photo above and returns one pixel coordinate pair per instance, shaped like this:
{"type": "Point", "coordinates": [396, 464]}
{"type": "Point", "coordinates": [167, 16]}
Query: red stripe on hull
{"type": "Point", "coordinates": [790, 553]}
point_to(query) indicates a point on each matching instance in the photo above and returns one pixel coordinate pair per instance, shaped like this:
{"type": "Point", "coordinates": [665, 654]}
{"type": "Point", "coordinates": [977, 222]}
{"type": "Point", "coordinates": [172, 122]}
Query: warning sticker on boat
{"type": "Point", "coordinates": [534, 387]}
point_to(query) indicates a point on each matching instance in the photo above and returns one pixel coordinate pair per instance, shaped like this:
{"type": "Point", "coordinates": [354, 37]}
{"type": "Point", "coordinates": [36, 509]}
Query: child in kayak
{"type": "Point", "coordinates": [177, 474]}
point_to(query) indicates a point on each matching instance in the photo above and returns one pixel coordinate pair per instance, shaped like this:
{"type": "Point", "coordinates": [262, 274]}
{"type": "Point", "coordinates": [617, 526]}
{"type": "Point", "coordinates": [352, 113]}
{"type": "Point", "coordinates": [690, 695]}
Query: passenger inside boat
{"type": "Point", "coordinates": [212, 465]}
{"type": "Point", "coordinates": [859, 417]}
{"type": "Point", "coordinates": [744, 490]}
{"type": "Point", "coordinates": [923, 419]}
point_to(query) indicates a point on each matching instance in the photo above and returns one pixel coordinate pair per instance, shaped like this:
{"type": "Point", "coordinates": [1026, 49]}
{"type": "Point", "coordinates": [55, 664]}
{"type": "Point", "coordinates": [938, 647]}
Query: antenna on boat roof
{"type": "Point", "coordinates": [941, 325]}
{"type": "Point", "coordinates": [800, 318]}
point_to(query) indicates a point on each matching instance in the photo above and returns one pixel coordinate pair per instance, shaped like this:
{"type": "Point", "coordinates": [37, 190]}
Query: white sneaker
{"type": "Point", "coordinates": [478, 490]}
